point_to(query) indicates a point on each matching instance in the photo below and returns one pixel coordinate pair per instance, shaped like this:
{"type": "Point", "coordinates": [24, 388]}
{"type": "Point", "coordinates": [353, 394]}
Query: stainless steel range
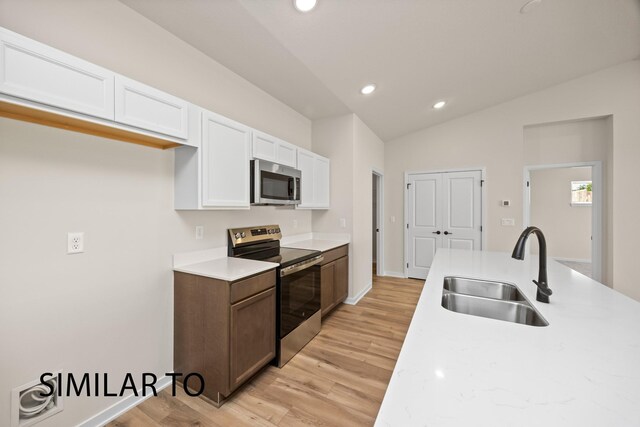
{"type": "Point", "coordinates": [297, 287]}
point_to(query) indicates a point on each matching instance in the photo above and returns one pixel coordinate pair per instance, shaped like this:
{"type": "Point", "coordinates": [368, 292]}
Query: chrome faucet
{"type": "Point", "coordinates": [518, 253]}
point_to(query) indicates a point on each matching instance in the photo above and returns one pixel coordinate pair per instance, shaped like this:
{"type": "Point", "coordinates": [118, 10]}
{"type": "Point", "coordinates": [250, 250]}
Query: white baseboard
{"type": "Point", "coordinates": [354, 300]}
{"type": "Point", "coordinates": [119, 408]}
{"type": "Point", "coordinates": [395, 274]}
{"type": "Point", "coordinates": [572, 260]}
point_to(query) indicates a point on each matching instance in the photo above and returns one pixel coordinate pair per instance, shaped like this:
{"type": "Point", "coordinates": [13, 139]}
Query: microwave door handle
{"type": "Point", "coordinates": [257, 176]}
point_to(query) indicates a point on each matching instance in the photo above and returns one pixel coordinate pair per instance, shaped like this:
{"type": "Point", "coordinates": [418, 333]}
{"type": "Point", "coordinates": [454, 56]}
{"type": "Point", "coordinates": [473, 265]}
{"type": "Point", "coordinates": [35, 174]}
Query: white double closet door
{"type": "Point", "coordinates": [444, 211]}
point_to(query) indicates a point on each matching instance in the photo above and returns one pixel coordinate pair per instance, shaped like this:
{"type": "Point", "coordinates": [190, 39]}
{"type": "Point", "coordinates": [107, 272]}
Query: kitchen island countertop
{"type": "Point", "coordinates": [456, 369]}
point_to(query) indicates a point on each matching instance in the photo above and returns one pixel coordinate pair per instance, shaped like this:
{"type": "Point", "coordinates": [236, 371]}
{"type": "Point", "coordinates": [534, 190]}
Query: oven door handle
{"type": "Point", "coordinates": [301, 266]}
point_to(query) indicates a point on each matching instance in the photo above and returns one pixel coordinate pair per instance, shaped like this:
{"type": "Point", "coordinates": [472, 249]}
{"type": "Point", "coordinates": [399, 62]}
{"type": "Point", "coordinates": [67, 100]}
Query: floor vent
{"type": "Point", "coordinates": [28, 404]}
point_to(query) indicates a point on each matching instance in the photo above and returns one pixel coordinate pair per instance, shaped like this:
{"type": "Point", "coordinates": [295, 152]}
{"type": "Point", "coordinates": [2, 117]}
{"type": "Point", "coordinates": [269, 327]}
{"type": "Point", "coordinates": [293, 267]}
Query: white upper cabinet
{"type": "Point", "coordinates": [315, 181]}
{"type": "Point", "coordinates": [267, 147]}
{"type": "Point", "coordinates": [321, 182]}
{"type": "Point", "coordinates": [147, 108]}
{"type": "Point", "coordinates": [287, 154]}
{"type": "Point", "coordinates": [305, 164]}
{"type": "Point", "coordinates": [225, 162]}
{"type": "Point", "coordinates": [39, 73]}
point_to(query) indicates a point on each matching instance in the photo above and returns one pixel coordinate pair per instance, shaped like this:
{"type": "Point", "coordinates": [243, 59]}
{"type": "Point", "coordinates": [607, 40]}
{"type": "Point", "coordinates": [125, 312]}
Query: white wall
{"type": "Point", "coordinates": [354, 151]}
{"type": "Point", "coordinates": [369, 155]}
{"type": "Point", "coordinates": [333, 138]}
{"type": "Point", "coordinates": [494, 138]}
{"type": "Point", "coordinates": [567, 228]}
{"type": "Point", "coordinates": [111, 308]}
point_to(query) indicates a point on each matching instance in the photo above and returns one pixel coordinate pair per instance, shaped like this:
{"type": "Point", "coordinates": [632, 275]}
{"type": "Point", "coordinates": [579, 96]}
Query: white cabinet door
{"type": "Point", "coordinates": [267, 147]}
{"type": "Point", "coordinates": [37, 72]}
{"type": "Point", "coordinates": [306, 160]}
{"type": "Point", "coordinates": [321, 182]}
{"type": "Point", "coordinates": [315, 181]}
{"type": "Point", "coordinates": [147, 108]}
{"type": "Point", "coordinates": [286, 154]}
{"type": "Point", "coordinates": [226, 151]}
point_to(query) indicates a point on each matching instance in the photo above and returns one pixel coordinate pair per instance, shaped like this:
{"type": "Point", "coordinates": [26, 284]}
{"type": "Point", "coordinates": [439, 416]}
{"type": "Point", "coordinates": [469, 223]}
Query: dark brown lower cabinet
{"type": "Point", "coordinates": [253, 335]}
{"type": "Point", "coordinates": [225, 331]}
{"type": "Point", "coordinates": [334, 278]}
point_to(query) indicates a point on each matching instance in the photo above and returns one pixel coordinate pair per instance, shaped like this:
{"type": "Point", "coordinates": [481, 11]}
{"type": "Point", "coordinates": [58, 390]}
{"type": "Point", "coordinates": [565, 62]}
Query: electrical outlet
{"type": "Point", "coordinates": [295, 223]}
{"type": "Point", "coordinates": [343, 222]}
{"type": "Point", "coordinates": [199, 232]}
{"type": "Point", "coordinates": [393, 218]}
{"type": "Point", "coordinates": [75, 243]}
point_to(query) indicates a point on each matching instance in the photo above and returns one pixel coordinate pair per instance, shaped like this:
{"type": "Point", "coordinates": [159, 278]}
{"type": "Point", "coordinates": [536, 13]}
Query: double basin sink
{"type": "Point", "coordinates": [494, 300]}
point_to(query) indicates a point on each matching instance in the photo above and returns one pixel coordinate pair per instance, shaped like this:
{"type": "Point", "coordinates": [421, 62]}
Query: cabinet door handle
{"type": "Point", "coordinates": [437, 232]}
{"type": "Point", "coordinates": [446, 233]}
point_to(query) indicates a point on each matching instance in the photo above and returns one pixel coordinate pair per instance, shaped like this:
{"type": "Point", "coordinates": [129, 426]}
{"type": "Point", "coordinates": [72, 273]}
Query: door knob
{"type": "Point", "coordinates": [446, 233]}
{"type": "Point", "coordinates": [437, 232]}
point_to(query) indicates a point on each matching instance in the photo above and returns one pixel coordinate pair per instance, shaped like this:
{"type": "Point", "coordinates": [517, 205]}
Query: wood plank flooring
{"type": "Point", "coordinates": [338, 379]}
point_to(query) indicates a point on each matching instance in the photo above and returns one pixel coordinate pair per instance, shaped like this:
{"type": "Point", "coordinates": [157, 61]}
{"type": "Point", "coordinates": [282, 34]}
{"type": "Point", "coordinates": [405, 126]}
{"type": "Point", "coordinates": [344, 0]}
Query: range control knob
{"type": "Point", "coordinates": [277, 230]}
{"type": "Point", "coordinates": [242, 234]}
{"type": "Point", "coordinates": [237, 235]}
{"type": "Point", "coordinates": [270, 231]}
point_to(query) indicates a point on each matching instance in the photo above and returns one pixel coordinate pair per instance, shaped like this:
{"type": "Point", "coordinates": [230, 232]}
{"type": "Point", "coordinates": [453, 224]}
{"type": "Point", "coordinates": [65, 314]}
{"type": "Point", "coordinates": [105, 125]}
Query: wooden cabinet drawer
{"type": "Point", "coordinates": [334, 254]}
{"type": "Point", "coordinates": [251, 286]}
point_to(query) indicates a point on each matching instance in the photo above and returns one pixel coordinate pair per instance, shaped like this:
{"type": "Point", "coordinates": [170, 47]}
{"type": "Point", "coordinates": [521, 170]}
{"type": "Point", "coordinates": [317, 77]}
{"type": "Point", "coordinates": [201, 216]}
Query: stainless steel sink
{"type": "Point", "coordinates": [493, 300]}
{"type": "Point", "coordinates": [483, 288]}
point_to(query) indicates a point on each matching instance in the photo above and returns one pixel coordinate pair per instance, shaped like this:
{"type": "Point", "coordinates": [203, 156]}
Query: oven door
{"type": "Point", "coordinates": [299, 294]}
{"type": "Point", "coordinates": [274, 184]}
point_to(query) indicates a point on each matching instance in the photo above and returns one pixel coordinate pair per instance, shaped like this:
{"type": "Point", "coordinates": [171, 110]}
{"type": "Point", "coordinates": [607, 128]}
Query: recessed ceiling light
{"type": "Point", "coordinates": [529, 6]}
{"type": "Point", "coordinates": [368, 89]}
{"type": "Point", "coordinates": [304, 5]}
{"type": "Point", "coordinates": [438, 105]}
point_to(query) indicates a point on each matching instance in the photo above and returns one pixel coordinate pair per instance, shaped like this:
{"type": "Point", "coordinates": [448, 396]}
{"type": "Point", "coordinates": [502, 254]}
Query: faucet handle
{"type": "Point", "coordinates": [543, 287]}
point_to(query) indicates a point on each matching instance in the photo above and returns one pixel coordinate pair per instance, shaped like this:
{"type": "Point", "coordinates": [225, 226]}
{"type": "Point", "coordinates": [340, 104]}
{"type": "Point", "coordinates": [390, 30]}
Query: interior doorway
{"type": "Point", "coordinates": [565, 201]}
{"type": "Point", "coordinates": [377, 234]}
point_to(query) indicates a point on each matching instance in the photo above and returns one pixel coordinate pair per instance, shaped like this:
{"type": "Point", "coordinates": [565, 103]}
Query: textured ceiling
{"type": "Point", "coordinates": [473, 54]}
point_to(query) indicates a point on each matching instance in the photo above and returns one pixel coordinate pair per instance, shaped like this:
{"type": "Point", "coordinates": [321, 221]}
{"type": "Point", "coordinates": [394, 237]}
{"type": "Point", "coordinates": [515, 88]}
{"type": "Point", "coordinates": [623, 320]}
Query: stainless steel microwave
{"type": "Point", "coordinates": [274, 184]}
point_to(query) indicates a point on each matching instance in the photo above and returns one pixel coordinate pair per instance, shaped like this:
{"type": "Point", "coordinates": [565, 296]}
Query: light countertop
{"type": "Point", "coordinates": [317, 244]}
{"type": "Point", "coordinates": [227, 268]}
{"type": "Point", "coordinates": [214, 262]}
{"type": "Point", "coordinates": [456, 369]}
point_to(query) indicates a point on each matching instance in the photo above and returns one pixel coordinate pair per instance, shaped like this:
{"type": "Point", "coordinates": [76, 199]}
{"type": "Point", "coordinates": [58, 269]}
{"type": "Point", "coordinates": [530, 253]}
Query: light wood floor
{"type": "Point", "coordinates": [338, 379]}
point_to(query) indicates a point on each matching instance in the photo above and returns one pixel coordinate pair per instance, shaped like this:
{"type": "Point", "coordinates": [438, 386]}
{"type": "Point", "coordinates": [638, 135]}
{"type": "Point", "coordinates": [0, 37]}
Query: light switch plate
{"type": "Point", "coordinates": [508, 222]}
{"type": "Point", "coordinates": [199, 232]}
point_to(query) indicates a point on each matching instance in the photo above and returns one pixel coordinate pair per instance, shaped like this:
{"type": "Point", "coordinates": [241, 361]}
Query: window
{"type": "Point", "coordinates": [581, 194]}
